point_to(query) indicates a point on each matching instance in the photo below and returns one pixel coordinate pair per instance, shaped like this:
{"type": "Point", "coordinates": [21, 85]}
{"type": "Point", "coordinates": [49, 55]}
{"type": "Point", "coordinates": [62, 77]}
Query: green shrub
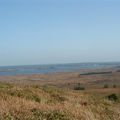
{"type": "Point", "coordinates": [106, 86]}
{"type": "Point", "coordinates": [9, 117]}
{"type": "Point", "coordinates": [113, 97]}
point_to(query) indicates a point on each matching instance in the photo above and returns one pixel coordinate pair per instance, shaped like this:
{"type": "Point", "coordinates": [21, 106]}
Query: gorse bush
{"type": "Point", "coordinates": [113, 97]}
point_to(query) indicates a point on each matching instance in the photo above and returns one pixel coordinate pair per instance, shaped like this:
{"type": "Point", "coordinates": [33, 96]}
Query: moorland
{"type": "Point", "coordinates": [82, 95]}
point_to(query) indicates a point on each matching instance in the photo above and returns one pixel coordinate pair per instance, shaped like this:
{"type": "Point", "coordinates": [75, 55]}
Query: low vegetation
{"type": "Point", "coordinates": [106, 86]}
{"type": "Point", "coordinates": [79, 87]}
{"type": "Point", "coordinates": [113, 97]}
{"type": "Point", "coordinates": [19, 102]}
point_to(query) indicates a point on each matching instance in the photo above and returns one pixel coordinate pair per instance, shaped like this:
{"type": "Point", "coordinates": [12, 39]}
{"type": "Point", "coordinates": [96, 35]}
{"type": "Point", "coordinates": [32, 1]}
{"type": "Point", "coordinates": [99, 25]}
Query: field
{"type": "Point", "coordinates": [84, 95]}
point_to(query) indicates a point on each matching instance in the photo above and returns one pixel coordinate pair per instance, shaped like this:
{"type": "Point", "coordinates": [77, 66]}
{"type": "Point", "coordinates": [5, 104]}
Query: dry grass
{"type": "Point", "coordinates": [52, 96]}
{"type": "Point", "coordinates": [50, 103]}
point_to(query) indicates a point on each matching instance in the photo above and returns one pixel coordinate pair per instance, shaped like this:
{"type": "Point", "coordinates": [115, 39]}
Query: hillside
{"type": "Point", "coordinates": [34, 102]}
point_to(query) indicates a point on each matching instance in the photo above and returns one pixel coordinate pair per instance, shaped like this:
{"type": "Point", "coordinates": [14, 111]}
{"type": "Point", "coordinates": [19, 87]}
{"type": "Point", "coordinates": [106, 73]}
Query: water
{"type": "Point", "coordinates": [37, 69]}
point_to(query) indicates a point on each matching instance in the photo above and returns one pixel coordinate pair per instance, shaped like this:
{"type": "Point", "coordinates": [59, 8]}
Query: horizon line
{"type": "Point", "coordinates": [59, 63]}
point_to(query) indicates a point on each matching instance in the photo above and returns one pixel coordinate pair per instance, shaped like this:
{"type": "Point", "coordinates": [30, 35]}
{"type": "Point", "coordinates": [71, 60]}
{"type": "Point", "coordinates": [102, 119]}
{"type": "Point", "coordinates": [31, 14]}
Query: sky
{"type": "Point", "coordinates": [59, 31]}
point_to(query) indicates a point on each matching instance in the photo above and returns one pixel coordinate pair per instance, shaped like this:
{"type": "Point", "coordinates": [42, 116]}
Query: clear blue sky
{"type": "Point", "coordinates": [59, 31]}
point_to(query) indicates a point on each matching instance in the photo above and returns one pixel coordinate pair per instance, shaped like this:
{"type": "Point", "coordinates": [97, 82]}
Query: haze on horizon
{"type": "Point", "coordinates": [64, 31]}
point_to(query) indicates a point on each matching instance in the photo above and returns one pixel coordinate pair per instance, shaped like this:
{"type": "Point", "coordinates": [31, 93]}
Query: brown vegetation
{"type": "Point", "coordinates": [24, 98]}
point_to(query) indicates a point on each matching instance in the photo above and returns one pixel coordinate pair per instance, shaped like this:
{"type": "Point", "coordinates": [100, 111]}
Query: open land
{"type": "Point", "coordinates": [83, 95]}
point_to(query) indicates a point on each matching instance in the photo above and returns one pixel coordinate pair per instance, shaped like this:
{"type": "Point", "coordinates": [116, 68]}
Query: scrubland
{"type": "Point", "coordinates": [50, 101]}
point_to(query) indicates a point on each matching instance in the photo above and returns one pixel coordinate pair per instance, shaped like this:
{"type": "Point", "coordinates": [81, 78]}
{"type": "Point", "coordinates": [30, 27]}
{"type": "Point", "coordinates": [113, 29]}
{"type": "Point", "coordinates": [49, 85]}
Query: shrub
{"type": "Point", "coordinates": [106, 86]}
{"type": "Point", "coordinates": [9, 117]}
{"type": "Point", "coordinates": [112, 97]}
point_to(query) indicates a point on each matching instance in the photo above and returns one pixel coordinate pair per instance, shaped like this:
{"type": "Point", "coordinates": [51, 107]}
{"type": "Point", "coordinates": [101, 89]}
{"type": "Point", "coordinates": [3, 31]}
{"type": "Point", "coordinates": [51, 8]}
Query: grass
{"type": "Point", "coordinates": [24, 93]}
{"type": "Point", "coordinates": [19, 102]}
{"type": "Point", "coordinates": [54, 115]}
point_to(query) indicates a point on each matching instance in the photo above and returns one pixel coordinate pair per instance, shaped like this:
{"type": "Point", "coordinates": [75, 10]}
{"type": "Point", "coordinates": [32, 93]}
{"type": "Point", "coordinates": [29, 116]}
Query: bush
{"type": "Point", "coordinates": [106, 86]}
{"type": "Point", "coordinates": [112, 97]}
